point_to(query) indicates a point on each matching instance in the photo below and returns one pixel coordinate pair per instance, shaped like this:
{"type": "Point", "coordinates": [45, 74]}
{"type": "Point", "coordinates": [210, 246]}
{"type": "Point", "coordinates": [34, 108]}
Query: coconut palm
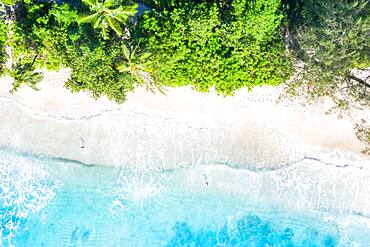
{"type": "Point", "coordinates": [139, 68]}
{"type": "Point", "coordinates": [24, 73]}
{"type": "Point", "coordinates": [107, 14]}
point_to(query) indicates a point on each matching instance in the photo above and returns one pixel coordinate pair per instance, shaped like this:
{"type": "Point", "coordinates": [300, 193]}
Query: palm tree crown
{"type": "Point", "coordinates": [106, 14]}
{"type": "Point", "coordinates": [23, 73]}
{"type": "Point", "coordinates": [139, 68]}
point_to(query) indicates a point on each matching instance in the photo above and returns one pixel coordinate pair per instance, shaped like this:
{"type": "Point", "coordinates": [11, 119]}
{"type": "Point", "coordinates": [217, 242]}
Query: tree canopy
{"type": "Point", "coordinates": [332, 38]}
{"type": "Point", "coordinates": [221, 44]}
{"type": "Point", "coordinates": [204, 45]}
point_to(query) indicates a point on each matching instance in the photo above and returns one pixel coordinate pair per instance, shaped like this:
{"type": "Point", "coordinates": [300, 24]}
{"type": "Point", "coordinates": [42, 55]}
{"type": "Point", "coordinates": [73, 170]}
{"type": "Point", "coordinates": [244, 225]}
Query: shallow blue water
{"type": "Point", "coordinates": [48, 202]}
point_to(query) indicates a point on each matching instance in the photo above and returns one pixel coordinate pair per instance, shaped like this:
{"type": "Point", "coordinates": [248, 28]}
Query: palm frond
{"type": "Point", "coordinates": [145, 55]}
{"type": "Point", "coordinates": [91, 3]}
{"type": "Point", "coordinates": [128, 10]}
{"type": "Point", "coordinates": [115, 26]}
{"type": "Point", "coordinates": [126, 52]}
{"type": "Point", "coordinates": [87, 18]}
{"type": "Point", "coordinates": [98, 22]}
{"type": "Point", "coordinates": [106, 16]}
{"type": "Point", "coordinates": [110, 3]}
{"type": "Point", "coordinates": [124, 67]}
{"type": "Point", "coordinates": [23, 74]}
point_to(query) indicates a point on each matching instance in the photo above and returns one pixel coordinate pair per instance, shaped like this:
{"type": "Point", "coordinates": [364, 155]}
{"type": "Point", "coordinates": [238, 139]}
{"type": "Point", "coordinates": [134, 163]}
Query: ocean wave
{"type": "Point", "coordinates": [26, 187]}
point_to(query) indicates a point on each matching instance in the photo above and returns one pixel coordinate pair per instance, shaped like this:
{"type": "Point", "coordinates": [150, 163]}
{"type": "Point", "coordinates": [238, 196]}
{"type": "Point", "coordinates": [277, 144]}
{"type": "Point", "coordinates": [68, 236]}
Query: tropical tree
{"type": "Point", "coordinates": [332, 40]}
{"type": "Point", "coordinates": [138, 68]}
{"type": "Point", "coordinates": [107, 14]}
{"type": "Point", "coordinates": [24, 73]}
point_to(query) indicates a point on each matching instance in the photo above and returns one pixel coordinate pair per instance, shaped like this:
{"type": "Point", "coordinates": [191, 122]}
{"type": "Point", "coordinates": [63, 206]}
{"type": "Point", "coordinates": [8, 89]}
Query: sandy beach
{"type": "Point", "coordinates": [252, 118]}
{"type": "Point", "coordinates": [306, 158]}
{"type": "Point", "coordinates": [252, 127]}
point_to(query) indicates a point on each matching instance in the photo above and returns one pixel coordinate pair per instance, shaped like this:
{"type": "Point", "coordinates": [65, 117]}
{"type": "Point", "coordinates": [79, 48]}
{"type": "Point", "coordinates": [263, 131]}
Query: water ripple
{"type": "Point", "coordinates": [25, 188]}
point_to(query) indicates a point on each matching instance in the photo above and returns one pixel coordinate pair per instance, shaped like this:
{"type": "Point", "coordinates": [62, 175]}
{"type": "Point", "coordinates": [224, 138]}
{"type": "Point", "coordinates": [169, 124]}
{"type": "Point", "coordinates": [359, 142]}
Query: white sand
{"type": "Point", "coordinates": [250, 127]}
{"type": "Point", "coordinates": [311, 124]}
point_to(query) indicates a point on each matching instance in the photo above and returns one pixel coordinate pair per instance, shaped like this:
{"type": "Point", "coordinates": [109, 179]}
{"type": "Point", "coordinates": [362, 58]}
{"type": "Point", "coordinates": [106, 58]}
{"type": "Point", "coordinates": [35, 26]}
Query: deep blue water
{"type": "Point", "coordinates": [48, 202]}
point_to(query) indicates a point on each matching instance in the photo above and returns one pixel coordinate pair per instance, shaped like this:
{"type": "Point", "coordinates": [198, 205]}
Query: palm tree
{"type": "Point", "coordinates": [24, 73]}
{"type": "Point", "coordinates": [106, 14]}
{"type": "Point", "coordinates": [138, 68]}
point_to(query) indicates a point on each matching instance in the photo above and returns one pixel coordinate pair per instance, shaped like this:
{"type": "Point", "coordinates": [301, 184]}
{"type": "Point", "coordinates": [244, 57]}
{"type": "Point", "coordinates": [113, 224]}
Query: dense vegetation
{"type": "Point", "coordinates": [332, 38]}
{"type": "Point", "coordinates": [225, 44]}
{"type": "Point", "coordinates": [3, 37]}
{"type": "Point", "coordinates": [205, 44]}
{"type": "Point", "coordinates": [50, 33]}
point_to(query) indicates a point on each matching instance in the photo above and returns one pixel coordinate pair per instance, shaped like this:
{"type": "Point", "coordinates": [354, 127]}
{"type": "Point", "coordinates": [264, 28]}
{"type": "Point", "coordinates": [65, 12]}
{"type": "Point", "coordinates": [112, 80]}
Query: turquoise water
{"type": "Point", "coordinates": [50, 202]}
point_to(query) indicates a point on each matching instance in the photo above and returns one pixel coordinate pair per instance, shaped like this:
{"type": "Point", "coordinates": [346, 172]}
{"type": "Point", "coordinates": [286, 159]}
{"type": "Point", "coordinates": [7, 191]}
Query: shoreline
{"type": "Point", "coordinates": [251, 127]}
{"type": "Point", "coordinates": [239, 149]}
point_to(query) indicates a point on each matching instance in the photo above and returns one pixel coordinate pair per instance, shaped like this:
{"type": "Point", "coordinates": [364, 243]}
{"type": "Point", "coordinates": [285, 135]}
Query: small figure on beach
{"type": "Point", "coordinates": [205, 177]}
{"type": "Point", "coordinates": [82, 143]}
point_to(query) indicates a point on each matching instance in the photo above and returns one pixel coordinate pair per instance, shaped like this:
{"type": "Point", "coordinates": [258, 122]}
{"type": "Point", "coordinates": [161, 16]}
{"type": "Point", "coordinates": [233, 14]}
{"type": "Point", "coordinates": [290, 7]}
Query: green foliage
{"type": "Point", "coordinates": [136, 65]}
{"type": "Point", "coordinates": [3, 38]}
{"type": "Point", "coordinates": [107, 14]}
{"type": "Point", "coordinates": [7, 2]}
{"type": "Point", "coordinates": [24, 74]}
{"type": "Point", "coordinates": [51, 33]}
{"type": "Point", "coordinates": [332, 39]}
{"type": "Point", "coordinates": [44, 31]}
{"type": "Point", "coordinates": [204, 45]}
{"type": "Point", "coordinates": [226, 44]}
{"type": "Point", "coordinates": [94, 70]}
